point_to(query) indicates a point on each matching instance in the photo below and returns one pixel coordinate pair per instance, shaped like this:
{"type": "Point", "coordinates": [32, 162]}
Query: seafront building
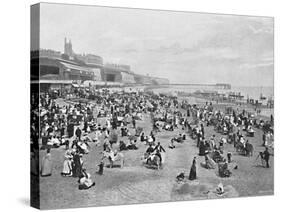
{"type": "Point", "coordinates": [62, 70]}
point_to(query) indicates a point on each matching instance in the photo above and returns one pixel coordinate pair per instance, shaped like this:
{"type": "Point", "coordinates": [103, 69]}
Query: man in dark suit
{"type": "Point", "coordinates": [158, 149]}
{"type": "Point", "coordinates": [78, 133]}
{"type": "Point", "coordinates": [266, 156]}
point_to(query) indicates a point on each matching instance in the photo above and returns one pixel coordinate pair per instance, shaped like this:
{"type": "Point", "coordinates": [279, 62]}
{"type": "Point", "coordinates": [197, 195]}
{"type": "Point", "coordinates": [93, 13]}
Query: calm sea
{"type": "Point", "coordinates": [251, 92]}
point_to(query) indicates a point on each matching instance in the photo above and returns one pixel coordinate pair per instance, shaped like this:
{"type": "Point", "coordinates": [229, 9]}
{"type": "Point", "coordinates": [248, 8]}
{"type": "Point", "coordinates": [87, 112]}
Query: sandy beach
{"type": "Point", "coordinates": [136, 183]}
{"type": "Point", "coordinates": [143, 106]}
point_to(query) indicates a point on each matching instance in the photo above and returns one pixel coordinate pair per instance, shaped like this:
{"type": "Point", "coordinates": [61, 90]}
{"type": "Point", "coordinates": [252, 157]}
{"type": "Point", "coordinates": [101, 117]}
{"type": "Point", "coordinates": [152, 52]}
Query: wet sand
{"type": "Point", "coordinates": [138, 184]}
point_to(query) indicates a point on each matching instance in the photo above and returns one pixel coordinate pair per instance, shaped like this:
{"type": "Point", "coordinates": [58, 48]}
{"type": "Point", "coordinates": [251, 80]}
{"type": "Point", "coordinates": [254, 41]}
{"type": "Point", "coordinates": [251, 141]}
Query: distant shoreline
{"type": "Point", "coordinates": [265, 112]}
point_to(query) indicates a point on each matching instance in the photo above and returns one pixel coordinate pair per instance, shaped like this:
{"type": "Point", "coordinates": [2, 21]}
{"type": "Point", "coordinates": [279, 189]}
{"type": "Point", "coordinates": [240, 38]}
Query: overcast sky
{"type": "Point", "coordinates": [184, 47]}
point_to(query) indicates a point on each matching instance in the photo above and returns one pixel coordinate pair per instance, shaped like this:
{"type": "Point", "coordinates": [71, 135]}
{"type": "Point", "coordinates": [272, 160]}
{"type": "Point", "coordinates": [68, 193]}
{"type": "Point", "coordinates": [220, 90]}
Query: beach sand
{"type": "Point", "coordinates": [138, 184]}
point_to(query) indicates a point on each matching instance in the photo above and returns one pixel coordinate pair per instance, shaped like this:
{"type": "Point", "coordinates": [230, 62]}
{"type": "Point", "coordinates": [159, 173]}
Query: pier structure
{"type": "Point", "coordinates": [222, 86]}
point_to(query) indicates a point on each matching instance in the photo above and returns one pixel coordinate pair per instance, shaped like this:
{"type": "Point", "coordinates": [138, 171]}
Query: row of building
{"type": "Point", "coordinates": [57, 68]}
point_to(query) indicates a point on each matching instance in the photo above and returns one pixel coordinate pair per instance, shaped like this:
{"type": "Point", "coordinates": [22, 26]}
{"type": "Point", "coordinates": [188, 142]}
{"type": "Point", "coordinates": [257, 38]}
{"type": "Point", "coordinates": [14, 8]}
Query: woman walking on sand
{"type": "Point", "coordinates": [192, 174]}
{"type": "Point", "coordinates": [47, 164]}
{"type": "Point", "coordinates": [67, 166]}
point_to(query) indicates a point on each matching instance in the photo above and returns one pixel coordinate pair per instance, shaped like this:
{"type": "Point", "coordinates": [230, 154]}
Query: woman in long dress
{"type": "Point", "coordinates": [76, 165]}
{"type": "Point", "coordinates": [192, 174]}
{"type": "Point", "coordinates": [47, 165]}
{"type": "Point", "coordinates": [67, 166]}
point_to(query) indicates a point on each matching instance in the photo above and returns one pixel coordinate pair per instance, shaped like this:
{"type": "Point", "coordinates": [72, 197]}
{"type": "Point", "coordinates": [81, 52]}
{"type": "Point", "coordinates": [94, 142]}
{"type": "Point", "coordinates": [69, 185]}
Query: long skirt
{"type": "Point", "coordinates": [67, 168]}
{"type": "Point", "coordinates": [202, 149]}
{"type": "Point", "coordinates": [76, 168]}
{"type": "Point", "coordinates": [46, 169]}
{"type": "Point", "coordinates": [192, 174]}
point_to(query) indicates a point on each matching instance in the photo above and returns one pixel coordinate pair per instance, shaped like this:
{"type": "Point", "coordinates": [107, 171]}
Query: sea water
{"type": "Point", "coordinates": [247, 92]}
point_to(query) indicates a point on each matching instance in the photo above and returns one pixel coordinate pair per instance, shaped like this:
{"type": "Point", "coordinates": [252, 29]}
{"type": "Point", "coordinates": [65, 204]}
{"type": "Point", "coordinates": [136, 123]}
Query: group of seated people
{"type": "Point", "coordinates": [124, 131]}
{"type": "Point", "coordinates": [168, 127]}
{"type": "Point", "coordinates": [224, 169]}
{"type": "Point", "coordinates": [209, 163]}
{"type": "Point", "coordinates": [180, 138]}
{"type": "Point", "coordinates": [149, 139]}
{"type": "Point", "coordinates": [224, 127]}
{"type": "Point", "coordinates": [250, 131]}
{"type": "Point", "coordinates": [130, 146]}
{"type": "Point", "coordinates": [154, 151]}
{"type": "Point", "coordinates": [77, 141]}
{"type": "Point", "coordinates": [55, 141]}
{"type": "Point", "coordinates": [216, 159]}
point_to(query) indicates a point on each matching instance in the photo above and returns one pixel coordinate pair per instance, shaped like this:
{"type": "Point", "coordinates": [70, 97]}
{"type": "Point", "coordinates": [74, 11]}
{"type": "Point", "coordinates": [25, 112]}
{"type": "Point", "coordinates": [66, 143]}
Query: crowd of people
{"type": "Point", "coordinates": [110, 121]}
{"type": "Point", "coordinates": [234, 126]}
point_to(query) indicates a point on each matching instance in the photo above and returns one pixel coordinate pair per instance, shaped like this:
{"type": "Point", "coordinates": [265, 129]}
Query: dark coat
{"type": "Point", "coordinates": [192, 174]}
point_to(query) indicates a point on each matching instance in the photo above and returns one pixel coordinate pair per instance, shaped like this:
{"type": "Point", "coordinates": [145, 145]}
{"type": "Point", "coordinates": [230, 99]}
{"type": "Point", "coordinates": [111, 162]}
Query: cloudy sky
{"type": "Point", "coordinates": [184, 47]}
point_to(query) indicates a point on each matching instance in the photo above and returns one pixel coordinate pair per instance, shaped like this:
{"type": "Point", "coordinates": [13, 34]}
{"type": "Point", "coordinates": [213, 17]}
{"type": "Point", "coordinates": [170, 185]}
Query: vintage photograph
{"type": "Point", "coordinates": [132, 106]}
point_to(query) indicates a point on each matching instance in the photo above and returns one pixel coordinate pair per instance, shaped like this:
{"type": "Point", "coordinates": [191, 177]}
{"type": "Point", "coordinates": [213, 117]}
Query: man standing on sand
{"type": "Point", "coordinates": [202, 130]}
{"type": "Point", "coordinates": [158, 149]}
{"type": "Point", "coordinates": [266, 156]}
{"type": "Point", "coordinates": [78, 133]}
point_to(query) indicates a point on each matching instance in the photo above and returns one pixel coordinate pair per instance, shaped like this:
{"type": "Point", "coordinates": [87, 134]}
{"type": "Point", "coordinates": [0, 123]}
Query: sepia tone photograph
{"type": "Point", "coordinates": [133, 106]}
